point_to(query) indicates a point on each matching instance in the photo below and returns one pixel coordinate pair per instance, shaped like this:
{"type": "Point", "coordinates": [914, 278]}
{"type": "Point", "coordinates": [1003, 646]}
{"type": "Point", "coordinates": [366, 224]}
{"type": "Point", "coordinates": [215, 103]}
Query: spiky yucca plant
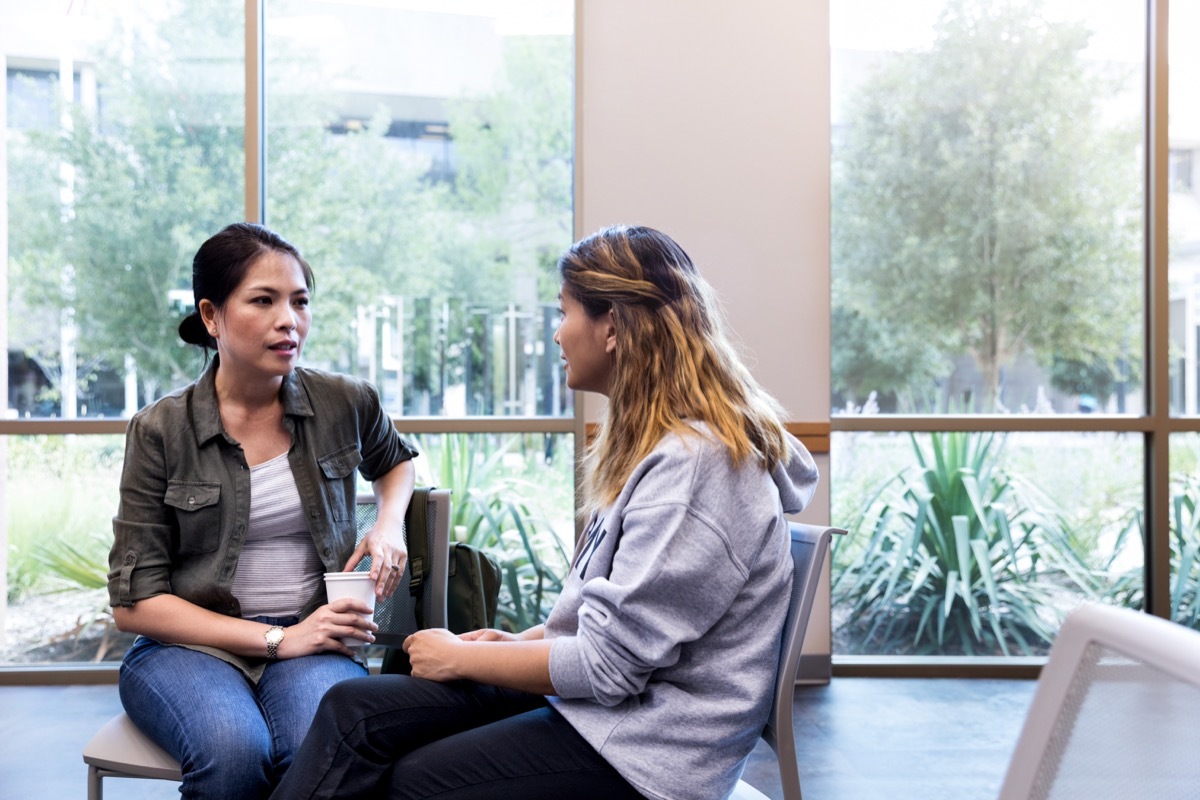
{"type": "Point", "coordinates": [960, 558]}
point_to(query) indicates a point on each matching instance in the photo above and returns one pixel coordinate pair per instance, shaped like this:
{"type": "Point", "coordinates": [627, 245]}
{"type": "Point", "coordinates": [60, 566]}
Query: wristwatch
{"type": "Point", "coordinates": [274, 636]}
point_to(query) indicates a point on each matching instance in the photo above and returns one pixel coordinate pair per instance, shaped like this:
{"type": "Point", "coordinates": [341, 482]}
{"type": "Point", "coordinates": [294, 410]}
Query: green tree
{"type": "Point", "coordinates": [159, 167]}
{"type": "Point", "coordinates": [149, 176]}
{"type": "Point", "coordinates": [982, 205]}
{"type": "Point", "coordinates": [874, 355]}
{"type": "Point", "coordinates": [444, 244]}
{"type": "Point", "coordinates": [366, 220]}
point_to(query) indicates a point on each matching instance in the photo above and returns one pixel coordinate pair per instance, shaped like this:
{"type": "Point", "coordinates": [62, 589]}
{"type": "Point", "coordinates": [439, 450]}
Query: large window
{"type": "Point", "coordinates": [418, 153]}
{"type": "Point", "coordinates": [425, 160]}
{"type": "Point", "coordinates": [987, 207]}
{"type": "Point", "coordinates": [1004, 370]}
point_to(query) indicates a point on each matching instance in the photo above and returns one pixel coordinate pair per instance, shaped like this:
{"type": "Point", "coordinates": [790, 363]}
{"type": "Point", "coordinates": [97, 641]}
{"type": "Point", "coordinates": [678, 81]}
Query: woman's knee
{"type": "Point", "coordinates": [231, 760]}
{"type": "Point", "coordinates": [347, 700]}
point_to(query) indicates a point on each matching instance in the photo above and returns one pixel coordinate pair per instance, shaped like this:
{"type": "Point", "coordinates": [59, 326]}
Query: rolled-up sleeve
{"type": "Point", "coordinates": [140, 560]}
{"type": "Point", "coordinates": [382, 447]}
{"type": "Point", "coordinates": [673, 576]}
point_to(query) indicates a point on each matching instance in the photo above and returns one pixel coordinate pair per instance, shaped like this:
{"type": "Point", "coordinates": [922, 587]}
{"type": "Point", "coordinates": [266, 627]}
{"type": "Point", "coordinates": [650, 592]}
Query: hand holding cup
{"type": "Point", "coordinates": [356, 585]}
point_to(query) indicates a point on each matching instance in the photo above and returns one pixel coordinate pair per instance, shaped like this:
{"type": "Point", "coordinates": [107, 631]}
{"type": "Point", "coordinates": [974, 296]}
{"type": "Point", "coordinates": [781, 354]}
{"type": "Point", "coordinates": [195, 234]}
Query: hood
{"type": "Point", "coordinates": [796, 478]}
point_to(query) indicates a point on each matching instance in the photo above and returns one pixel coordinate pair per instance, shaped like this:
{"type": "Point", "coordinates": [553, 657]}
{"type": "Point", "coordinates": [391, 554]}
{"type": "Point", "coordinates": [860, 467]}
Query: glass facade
{"type": "Point", "coordinates": [980, 542]}
{"type": "Point", "coordinates": [987, 208]}
{"type": "Point", "coordinates": [1013, 337]}
{"type": "Point", "coordinates": [1183, 211]}
{"type": "Point", "coordinates": [424, 159]}
{"type": "Point", "coordinates": [419, 155]}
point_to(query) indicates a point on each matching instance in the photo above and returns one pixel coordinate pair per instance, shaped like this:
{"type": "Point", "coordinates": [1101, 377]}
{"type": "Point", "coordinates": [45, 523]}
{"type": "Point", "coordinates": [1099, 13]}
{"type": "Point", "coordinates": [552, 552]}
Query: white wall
{"type": "Point", "coordinates": [709, 119]}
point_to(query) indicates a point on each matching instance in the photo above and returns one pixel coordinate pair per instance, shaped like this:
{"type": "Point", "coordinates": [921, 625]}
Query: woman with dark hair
{"type": "Point", "coordinates": [237, 495]}
{"type": "Point", "coordinates": [652, 676]}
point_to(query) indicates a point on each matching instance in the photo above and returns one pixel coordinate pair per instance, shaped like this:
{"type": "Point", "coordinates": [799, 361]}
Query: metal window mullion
{"type": "Point", "coordinates": [1158, 457]}
{"type": "Point", "coordinates": [1064, 423]}
{"type": "Point", "coordinates": [424, 425]}
{"type": "Point", "coordinates": [255, 111]}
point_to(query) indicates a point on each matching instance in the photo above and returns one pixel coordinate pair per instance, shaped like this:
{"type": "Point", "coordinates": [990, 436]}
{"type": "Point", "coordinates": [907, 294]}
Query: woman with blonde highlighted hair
{"type": "Point", "coordinates": [652, 676]}
{"type": "Point", "coordinates": [672, 361]}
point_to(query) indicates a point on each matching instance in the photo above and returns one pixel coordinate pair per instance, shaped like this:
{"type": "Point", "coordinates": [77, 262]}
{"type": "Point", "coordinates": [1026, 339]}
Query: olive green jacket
{"type": "Point", "coordinates": [185, 488]}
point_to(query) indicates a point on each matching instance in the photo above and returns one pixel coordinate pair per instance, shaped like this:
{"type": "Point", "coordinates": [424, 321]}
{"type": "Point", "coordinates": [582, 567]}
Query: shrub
{"type": "Point", "coordinates": [960, 557]}
{"type": "Point", "coordinates": [1130, 586]}
{"type": "Point", "coordinates": [494, 506]}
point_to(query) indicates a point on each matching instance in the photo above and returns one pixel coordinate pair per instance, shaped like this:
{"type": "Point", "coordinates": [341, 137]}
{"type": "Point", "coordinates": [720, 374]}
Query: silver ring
{"type": "Point", "coordinates": [395, 566]}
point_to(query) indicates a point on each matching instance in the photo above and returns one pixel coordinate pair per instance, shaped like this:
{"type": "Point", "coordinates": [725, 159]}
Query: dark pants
{"type": "Point", "coordinates": [404, 737]}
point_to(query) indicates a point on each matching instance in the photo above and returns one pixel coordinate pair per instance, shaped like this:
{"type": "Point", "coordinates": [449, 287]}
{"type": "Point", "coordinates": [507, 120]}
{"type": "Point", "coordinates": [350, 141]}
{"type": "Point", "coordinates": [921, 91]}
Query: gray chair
{"type": "Point", "coordinates": [396, 616]}
{"type": "Point", "coordinates": [1116, 712]}
{"type": "Point", "coordinates": [120, 750]}
{"type": "Point", "coordinates": [810, 543]}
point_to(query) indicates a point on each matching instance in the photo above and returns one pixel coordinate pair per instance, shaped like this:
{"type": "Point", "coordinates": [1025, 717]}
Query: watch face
{"type": "Point", "coordinates": [275, 635]}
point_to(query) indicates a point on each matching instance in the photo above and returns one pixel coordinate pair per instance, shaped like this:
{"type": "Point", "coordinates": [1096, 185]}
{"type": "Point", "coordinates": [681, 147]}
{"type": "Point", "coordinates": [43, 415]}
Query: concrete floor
{"type": "Point", "coordinates": [858, 739]}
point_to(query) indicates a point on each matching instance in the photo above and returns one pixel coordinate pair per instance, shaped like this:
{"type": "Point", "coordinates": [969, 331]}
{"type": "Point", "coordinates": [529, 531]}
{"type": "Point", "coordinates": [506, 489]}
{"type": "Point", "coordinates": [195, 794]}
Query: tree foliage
{"type": "Point", "coordinates": [140, 185]}
{"type": "Point", "coordinates": [982, 205]}
{"type": "Point", "coordinates": [110, 235]}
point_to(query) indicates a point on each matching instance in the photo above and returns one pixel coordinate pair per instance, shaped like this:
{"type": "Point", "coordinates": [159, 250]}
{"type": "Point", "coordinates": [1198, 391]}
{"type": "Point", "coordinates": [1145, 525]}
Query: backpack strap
{"type": "Point", "coordinates": [416, 527]}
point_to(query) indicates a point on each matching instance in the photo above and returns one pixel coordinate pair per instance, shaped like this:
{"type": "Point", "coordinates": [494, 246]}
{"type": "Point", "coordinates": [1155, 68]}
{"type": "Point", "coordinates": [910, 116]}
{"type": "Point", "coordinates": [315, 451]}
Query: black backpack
{"type": "Point", "coordinates": [472, 590]}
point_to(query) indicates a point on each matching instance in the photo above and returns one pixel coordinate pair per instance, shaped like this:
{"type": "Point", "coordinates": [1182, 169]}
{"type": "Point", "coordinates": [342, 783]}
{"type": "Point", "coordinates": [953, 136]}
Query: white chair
{"type": "Point", "coordinates": [810, 543]}
{"type": "Point", "coordinates": [1116, 712]}
{"type": "Point", "coordinates": [120, 750]}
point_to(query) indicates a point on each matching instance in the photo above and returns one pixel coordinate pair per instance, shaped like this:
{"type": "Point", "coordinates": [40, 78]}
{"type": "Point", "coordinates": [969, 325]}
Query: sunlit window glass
{"type": "Point", "coordinates": [987, 207]}
{"type": "Point", "coordinates": [420, 154]}
{"type": "Point", "coordinates": [1185, 529]}
{"type": "Point", "coordinates": [980, 543]}
{"type": "Point", "coordinates": [124, 150]}
{"type": "Point", "coordinates": [512, 495]}
{"type": "Point", "coordinates": [1183, 216]}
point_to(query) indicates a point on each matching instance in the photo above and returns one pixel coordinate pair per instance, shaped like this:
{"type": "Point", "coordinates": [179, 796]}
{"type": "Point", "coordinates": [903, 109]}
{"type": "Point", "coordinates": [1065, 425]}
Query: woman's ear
{"type": "Point", "coordinates": [610, 333]}
{"type": "Point", "coordinates": [208, 314]}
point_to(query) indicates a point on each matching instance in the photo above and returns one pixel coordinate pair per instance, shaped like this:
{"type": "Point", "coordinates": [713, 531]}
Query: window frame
{"type": "Point", "coordinates": [1156, 424]}
{"type": "Point", "coordinates": [256, 208]}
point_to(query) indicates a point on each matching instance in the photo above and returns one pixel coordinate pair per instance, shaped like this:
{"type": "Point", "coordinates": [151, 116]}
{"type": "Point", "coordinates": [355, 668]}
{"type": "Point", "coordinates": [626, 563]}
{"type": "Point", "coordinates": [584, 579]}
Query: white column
{"type": "Point", "coordinates": [131, 391]}
{"type": "Point", "coordinates": [710, 121]}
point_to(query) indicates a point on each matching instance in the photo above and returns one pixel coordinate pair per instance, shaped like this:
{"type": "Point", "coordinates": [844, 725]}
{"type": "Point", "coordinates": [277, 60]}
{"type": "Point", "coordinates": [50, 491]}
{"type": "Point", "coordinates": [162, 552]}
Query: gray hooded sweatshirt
{"type": "Point", "coordinates": [666, 634]}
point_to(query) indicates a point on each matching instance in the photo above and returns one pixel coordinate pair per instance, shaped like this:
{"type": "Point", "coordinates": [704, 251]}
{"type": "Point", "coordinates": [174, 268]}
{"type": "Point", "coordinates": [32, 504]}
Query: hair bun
{"type": "Point", "coordinates": [193, 331]}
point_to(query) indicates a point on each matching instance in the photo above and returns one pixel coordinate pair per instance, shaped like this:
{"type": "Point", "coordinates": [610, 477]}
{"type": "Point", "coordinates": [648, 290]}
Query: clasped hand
{"type": "Point", "coordinates": [436, 654]}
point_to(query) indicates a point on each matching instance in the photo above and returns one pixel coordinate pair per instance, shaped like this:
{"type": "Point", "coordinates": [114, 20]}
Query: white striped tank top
{"type": "Point", "coordinates": [278, 569]}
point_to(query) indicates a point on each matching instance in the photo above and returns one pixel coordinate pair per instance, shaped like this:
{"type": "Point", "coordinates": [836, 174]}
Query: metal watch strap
{"type": "Point", "coordinates": [273, 641]}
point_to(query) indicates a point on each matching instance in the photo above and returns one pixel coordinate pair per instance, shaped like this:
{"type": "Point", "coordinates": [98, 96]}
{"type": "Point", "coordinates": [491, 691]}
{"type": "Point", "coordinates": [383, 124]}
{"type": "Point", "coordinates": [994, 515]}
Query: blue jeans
{"type": "Point", "coordinates": [404, 738]}
{"type": "Point", "coordinates": [233, 739]}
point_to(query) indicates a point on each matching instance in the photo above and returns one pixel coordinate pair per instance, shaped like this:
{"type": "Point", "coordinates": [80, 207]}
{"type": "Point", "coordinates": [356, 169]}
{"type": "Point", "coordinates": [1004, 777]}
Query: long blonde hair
{"type": "Point", "coordinates": [673, 364]}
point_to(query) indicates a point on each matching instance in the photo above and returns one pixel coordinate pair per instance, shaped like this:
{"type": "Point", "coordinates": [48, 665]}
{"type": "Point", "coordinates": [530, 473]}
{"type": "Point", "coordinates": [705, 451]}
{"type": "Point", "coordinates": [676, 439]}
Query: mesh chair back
{"type": "Point", "coordinates": [1116, 712]}
{"type": "Point", "coordinates": [396, 616]}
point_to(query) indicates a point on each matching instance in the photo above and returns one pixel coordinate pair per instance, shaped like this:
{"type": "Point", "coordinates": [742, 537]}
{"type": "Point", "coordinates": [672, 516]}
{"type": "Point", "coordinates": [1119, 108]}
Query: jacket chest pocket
{"type": "Point", "coordinates": [337, 469]}
{"type": "Point", "coordinates": [198, 511]}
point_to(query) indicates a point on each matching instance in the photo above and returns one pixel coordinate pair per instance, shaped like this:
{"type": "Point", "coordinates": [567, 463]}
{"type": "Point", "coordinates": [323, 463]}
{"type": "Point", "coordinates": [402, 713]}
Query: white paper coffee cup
{"type": "Point", "coordinates": [357, 585]}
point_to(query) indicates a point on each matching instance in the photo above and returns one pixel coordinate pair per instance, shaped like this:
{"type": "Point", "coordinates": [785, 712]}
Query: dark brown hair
{"type": "Point", "coordinates": [220, 265]}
